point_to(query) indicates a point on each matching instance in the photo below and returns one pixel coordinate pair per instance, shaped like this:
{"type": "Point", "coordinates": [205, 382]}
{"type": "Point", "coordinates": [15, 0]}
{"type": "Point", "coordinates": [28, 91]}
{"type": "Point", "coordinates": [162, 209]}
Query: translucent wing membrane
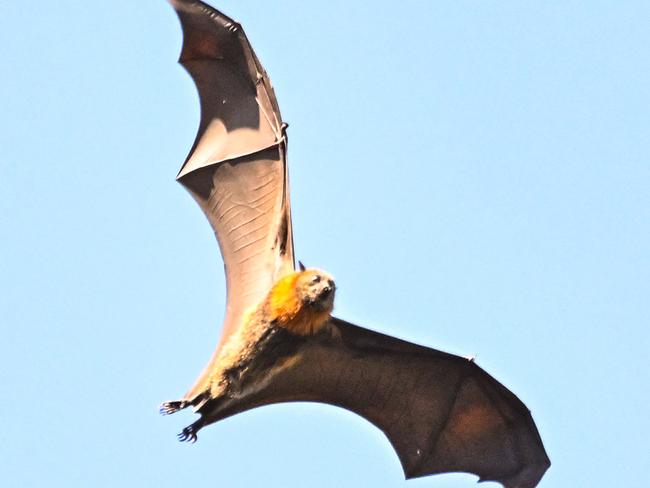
{"type": "Point", "coordinates": [236, 169]}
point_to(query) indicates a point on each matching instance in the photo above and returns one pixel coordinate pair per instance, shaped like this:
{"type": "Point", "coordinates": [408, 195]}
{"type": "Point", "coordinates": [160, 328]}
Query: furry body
{"type": "Point", "coordinates": [297, 306]}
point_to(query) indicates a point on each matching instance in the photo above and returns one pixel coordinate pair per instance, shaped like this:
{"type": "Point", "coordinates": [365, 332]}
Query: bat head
{"type": "Point", "coordinates": [316, 289]}
{"type": "Point", "coordinates": [301, 301]}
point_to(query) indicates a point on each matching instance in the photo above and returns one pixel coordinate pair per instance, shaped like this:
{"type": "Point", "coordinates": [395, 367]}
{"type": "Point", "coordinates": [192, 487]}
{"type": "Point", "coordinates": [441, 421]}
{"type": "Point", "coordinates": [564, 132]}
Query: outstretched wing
{"type": "Point", "coordinates": [236, 169]}
{"type": "Point", "coordinates": [442, 413]}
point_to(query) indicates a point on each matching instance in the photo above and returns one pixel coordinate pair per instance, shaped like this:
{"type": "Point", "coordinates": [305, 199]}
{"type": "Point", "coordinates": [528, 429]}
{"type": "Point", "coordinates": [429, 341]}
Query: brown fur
{"type": "Point", "coordinates": [294, 303]}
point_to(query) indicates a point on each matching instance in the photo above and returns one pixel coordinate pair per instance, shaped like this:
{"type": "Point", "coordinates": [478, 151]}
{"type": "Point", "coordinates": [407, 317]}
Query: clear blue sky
{"type": "Point", "coordinates": [476, 175]}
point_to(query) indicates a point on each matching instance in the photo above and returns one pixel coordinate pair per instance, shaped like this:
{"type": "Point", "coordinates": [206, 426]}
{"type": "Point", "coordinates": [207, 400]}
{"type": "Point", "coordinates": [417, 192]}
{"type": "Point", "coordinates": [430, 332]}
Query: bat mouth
{"type": "Point", "coordinates": [323, 300]}
{"type": "Point", "coordinates": [327, 293]}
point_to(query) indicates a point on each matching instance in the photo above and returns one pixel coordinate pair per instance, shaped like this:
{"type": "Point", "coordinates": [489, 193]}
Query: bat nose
{"type": "Point", "coordinates": [329, 287]}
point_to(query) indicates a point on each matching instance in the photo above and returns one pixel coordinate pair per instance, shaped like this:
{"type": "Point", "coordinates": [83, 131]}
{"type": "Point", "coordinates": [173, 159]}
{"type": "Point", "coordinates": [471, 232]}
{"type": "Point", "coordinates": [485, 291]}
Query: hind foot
{"type": "Point", "coordinates": [189, 433]}
{"type": "Point", "coordinates": [168, 408]}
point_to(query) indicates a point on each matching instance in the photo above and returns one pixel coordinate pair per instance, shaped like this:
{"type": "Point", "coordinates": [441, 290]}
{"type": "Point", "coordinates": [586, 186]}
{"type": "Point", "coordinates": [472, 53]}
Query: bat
{"type": "Point", "coordinates": [280, 343]}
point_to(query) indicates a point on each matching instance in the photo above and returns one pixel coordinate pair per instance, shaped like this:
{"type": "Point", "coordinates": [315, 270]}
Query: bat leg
{"type": "Point", "coordinates": [168, 408]}
{"type": "Point", "coordinates": [189, 433]}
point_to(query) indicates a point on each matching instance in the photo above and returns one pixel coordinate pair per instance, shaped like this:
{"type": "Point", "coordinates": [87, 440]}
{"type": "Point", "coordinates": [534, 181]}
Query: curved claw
{"type": "Point", "coordinates": [168, 408]}
{"type": "Point", "coordinates": [188, 434]}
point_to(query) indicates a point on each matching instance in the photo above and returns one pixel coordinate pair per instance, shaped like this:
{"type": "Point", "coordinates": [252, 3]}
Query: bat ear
{"type": "Point", "coordinates": [301, 266]}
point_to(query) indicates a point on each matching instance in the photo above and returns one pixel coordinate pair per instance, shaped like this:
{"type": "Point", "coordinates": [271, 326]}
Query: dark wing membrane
{"type": "Point", "coordinates": [442, 413]}
{"type": "Point", "coordinates": [236, 169]}
{"type": "Point", "coordinates": [239, 111]}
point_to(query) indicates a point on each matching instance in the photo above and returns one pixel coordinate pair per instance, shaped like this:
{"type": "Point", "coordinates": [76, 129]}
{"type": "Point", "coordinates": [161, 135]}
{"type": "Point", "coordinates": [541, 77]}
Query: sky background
{"type": "Point", "coordinates": [476, 175]}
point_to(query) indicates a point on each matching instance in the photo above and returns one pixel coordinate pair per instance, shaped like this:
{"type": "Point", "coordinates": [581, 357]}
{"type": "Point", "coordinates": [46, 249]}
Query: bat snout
{"type": "Point", "coordinates": [323, 296]}
{"type": "Point", "coordinates": [328, 288]}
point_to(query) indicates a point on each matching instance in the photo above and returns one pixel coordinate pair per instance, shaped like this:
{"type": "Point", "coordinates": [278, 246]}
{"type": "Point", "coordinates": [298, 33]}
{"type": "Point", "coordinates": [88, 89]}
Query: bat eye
{"type": "Point", "coordinates": [315, 279]}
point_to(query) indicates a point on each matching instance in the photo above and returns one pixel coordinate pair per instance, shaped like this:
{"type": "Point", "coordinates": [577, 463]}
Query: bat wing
{"type": "Point", "coordinates": [236, 169]}
{"type": "Point", "coordinates": [442, 413]}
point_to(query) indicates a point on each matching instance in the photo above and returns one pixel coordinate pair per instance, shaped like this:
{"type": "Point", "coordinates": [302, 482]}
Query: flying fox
{"type": "Point", "coordinates": [280, 343]}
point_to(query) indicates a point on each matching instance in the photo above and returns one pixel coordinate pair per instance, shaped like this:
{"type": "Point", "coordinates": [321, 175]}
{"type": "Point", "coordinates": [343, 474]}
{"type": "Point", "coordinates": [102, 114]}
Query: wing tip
{"type": "Point", "coordinates": [199, 7]}
{"type": "Point", "coordinates": [528, 477]}
{"type": "Point", "coordinates": [208, 33]}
